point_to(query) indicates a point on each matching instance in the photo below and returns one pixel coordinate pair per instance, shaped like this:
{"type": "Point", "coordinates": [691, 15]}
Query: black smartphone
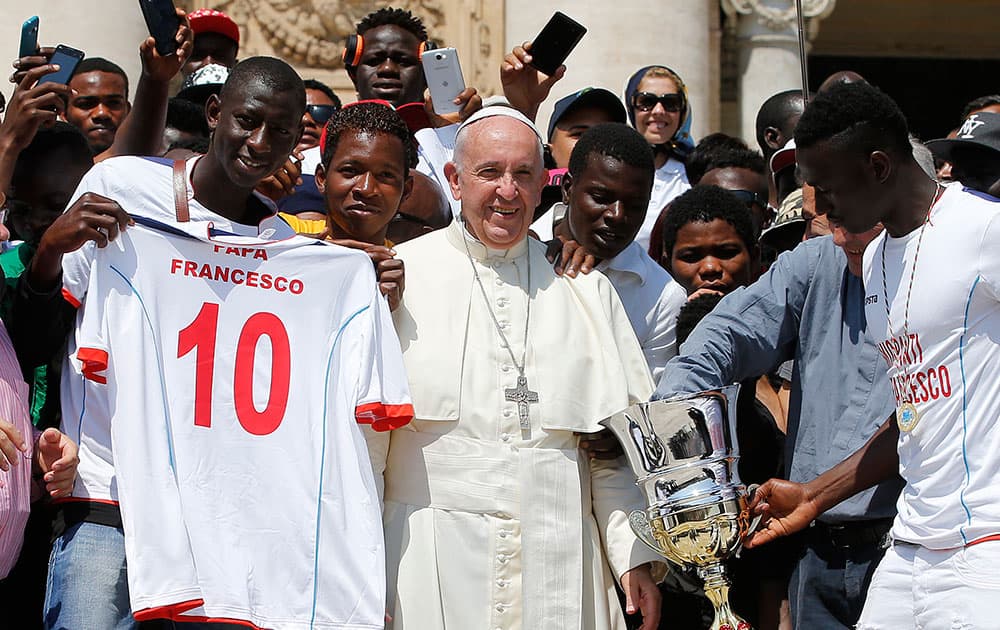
{"type": "Point", "coordinates": [29, 37]}
{"type": "Point", "coordinates": [162, 22]}
{"type": "Point", "coordinates": [67, 58]}
{"type": "Point", "coordinates": [555, 42]}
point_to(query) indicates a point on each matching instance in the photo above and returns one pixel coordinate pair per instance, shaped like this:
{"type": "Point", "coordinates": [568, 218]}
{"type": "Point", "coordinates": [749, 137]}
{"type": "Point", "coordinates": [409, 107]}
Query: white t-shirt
{"type": "Point", "coordinates": [669, 181]}
{"type": "Point", "coordinates": [947, 365]}
{"type": "Point", "coordinates": [435, 148]}
{"type": "Point", "coordinates": [236, 371]}
{"type": "Point", "coordinates": [144, 187]}
{"type": "Point", "coordinates": [652, 300]}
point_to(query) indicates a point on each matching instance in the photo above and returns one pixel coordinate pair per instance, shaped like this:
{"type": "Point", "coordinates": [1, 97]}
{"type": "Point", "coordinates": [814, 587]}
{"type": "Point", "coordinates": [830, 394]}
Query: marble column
{"type": "Point", "coordinates": [768, 45]}
{"type": "Point", "coordinates": [623, 37]}
{"type": "Point", "coordinates": [112, 29]}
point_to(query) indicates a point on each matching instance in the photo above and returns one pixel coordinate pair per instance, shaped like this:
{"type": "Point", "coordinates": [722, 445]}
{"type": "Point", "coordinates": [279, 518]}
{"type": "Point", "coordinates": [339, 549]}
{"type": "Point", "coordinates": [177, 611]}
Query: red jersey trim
{"type": "Point", "coordinates": [69, 297]}
{"type": "Point", "coordinates": [989, 538]}
{"type": "Point", "coordinates": [384, 417]}
{"type": "Point", "coordinates": [175, 612]}
{"type": "Point", "coordinates": [94, 361]}
{"type": "Point", "coordinates": [235, 622]}
{"type": "Point", "coordinates": [172, 611]}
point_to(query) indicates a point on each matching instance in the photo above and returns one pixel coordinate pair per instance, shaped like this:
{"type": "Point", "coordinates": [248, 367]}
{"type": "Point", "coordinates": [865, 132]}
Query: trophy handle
{"type": "Point", "coordinates": [639, 522]}
{"type": "Point", "coordinates": [755, 523]}
{"type": "Point", "coordinates": [751, 491]}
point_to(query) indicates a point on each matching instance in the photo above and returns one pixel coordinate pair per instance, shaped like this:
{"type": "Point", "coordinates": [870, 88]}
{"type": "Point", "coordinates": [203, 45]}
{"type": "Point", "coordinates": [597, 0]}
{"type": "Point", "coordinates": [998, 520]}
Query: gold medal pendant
{"type": "Point", "coordinates": [907, 417]}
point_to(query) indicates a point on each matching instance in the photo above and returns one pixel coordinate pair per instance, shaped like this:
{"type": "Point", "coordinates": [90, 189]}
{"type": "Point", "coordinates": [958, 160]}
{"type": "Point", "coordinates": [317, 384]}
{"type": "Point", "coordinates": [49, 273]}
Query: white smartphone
{"type": "Point", "coordinates": [444, 78]}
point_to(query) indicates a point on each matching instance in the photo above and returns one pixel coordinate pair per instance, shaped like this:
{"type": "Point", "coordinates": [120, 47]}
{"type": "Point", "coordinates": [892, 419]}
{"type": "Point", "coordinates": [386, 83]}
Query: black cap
{"type": "Point", "coordinates": [203, 82]}
{"type": "Point", "coordinates": [588, 97]}
{"type": "Point", "coordinates": [981, 130]}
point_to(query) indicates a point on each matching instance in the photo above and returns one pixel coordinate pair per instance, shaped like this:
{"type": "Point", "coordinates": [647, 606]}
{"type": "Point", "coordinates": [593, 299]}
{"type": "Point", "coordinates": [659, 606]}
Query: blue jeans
{"type": "Point", "coordinates": [87, 585]}
{"type": "Point", "coordinates": [829, 584]}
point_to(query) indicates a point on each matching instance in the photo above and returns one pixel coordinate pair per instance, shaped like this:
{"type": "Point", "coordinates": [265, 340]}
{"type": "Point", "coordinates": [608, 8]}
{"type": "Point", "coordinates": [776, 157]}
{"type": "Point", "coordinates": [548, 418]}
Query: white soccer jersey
{"type": "Point", "coordinates": [144, 187]}
{"type": "Point", "coordinates": [944, 361]}
{"type": "Point", "coordinates": [235, 371]}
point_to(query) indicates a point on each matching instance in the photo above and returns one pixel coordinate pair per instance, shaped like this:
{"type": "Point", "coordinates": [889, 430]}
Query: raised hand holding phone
{"type": "Point", "coordinates": [443, 73]}
{"type": "Point", "coordinates": [161, 66]}
{"type": "Point", "coordinates": [469, 102]}
{"type": "Point", "coordinates": [555, 42]}
{"type": "Point", "coordinates": [29, 55]}
{"type": "Point", "coordinates": [524, 86]}
{"type": "Point", "coordinates": [162, 20]}
{"type": "Point", "coordinates": [33, 104]}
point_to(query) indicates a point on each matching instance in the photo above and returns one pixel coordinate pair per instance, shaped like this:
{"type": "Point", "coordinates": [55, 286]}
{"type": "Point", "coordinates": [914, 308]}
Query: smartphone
{"type": "Point", "coordinates": [162, 22]}
{"type": "Point", "coordinates": [444, 78]}
{"type": "Point", "coordinates": [555, 42]}
{"type": "Point", "coordinates": [67, 58]}
{"type": "Point", "coordinates": [29, 37]}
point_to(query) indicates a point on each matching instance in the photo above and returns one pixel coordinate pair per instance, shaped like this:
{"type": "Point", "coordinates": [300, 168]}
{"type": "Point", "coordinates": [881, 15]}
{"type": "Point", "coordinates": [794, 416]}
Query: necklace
{"type": "Point", "coordinates": [907, 415]}
{"type": "Point", "coordinates": [520, 394]}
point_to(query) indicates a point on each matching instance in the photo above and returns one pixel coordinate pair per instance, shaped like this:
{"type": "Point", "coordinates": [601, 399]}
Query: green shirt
{"type": "Point", "coordinates": [44, 412]}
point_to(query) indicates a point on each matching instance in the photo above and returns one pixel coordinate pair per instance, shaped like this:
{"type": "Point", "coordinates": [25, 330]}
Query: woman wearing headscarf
{"type": "Point", "coordinates": [659, 109]}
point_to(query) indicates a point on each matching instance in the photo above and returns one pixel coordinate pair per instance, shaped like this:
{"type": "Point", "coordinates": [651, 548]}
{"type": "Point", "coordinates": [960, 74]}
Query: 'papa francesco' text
{"type": "Point", "coordinates": [222, 273]}
{"type": "Point", "coordinates": [911, 385]}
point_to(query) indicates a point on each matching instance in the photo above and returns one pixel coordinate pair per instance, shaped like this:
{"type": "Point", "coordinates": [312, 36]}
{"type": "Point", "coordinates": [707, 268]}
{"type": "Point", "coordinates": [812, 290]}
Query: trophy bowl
{"type": "Point", "coordinates": [684, 452]}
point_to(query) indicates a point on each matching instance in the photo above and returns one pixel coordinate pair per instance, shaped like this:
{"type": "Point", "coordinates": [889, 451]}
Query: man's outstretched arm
{"type": "Point", "coordinates": [142, 130]}
{"type": "Point", "coordinates": [788, 507]}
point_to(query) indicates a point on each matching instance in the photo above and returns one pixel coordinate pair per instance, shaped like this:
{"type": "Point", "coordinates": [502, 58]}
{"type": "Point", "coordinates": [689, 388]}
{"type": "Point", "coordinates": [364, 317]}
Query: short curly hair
{"type": "Point", "coordinates": [313, 84]}
{"type": "Point", "coordinates": [705, 204]}
{"type": "Point", "coordinates": [857, 117]}
{"type": "Point", "coordinates": [778, 111]}
{"type": "Point", "coordinates": [394, 17]}
{"type": "Point", "coordinates": [718, 150]}
{"type": "Point", "coordinates": [372, 118]}
{"type": "Point", "coordinates": [615, 140]}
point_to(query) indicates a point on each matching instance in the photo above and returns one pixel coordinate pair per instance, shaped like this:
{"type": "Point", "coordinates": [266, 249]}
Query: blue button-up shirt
{"type": "Point", "coordinates": [810, 308]}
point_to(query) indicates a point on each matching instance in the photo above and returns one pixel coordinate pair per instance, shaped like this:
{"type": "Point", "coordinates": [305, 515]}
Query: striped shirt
{"type": "Point", "coordinates": [15, 484]}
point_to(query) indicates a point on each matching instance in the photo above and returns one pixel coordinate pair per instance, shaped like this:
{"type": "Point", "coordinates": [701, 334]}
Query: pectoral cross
{"type": "Point", "coordinates": [522, 396]}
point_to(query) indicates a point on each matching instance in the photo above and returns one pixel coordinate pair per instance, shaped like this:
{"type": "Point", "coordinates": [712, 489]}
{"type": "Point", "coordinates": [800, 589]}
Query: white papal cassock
{"type": "Point", "coordinates": [488, 525]}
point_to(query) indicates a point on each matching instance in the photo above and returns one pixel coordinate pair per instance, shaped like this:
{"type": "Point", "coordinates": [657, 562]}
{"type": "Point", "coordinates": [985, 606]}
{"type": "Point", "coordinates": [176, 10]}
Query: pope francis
{"type": "Point", "coordinates": [494, 518]}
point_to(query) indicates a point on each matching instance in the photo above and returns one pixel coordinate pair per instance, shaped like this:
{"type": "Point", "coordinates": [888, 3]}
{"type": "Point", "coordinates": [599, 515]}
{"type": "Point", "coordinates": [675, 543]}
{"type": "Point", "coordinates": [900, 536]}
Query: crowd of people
{"type": "Point", "coordinates": [459, 300]}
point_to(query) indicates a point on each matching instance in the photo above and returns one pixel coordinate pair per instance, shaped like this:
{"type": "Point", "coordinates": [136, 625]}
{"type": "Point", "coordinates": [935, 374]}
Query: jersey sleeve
{"type": "Point", "coordinates": [92, 348]}
{"type": "Point", "coordinates": [383, 395]}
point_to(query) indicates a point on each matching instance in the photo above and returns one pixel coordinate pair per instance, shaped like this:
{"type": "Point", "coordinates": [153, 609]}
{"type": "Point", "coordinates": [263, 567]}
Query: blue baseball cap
{"type": "Point", "coordinates": [588, 97]}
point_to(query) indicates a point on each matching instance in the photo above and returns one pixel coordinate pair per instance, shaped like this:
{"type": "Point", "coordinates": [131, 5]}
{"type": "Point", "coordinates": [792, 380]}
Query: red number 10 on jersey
{"type": "Point", "coordinates": [201, 334]}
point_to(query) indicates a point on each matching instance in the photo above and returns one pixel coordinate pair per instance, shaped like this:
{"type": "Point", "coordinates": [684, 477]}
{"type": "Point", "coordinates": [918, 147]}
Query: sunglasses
{"type": "Point", "coordinates": [321, 113]}
{"type": "Point", "coordinates": [750, 198]}
{"type": "Point", "coordinates": [646, 101]}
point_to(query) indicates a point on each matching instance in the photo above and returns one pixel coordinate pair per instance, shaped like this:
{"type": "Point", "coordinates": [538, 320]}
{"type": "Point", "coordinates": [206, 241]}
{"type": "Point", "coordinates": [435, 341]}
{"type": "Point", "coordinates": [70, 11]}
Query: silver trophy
{"type": "Point", "coordinates": [684, 453]}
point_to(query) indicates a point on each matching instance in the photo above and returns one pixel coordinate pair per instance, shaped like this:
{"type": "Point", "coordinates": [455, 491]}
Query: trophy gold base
{"type": "Point", "coordinates": [717, 591]}
{"type": "Point", "coordinates": [703, 537]}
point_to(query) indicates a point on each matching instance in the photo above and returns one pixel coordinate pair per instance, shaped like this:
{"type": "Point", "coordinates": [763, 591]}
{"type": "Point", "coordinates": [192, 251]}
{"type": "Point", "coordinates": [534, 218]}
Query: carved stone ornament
{"type": "Point", "coordinates": [778, 15]}
{"type": "Point", "coordinates": [310, 33]}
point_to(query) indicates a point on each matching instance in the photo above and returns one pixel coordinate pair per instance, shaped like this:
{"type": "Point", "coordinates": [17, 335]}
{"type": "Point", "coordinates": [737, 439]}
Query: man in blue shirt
{"type": "Point", "coordinates": [809, 307]}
